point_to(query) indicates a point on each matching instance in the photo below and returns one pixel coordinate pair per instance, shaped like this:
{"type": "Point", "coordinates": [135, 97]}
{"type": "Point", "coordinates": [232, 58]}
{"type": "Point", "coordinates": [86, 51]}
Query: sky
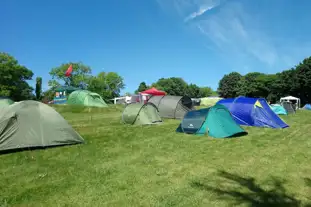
{"type": "Point", "coordinates": [144, 40]}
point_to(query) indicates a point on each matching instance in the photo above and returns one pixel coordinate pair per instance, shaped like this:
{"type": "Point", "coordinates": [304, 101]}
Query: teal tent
{"type": "Point", "coordinates": [216, 121]}
{"type": "Point", "coordinates": [278, 109]}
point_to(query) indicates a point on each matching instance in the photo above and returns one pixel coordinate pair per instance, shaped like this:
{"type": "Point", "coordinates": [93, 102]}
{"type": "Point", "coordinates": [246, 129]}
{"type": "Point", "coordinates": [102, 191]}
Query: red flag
{"type": "Point", "coordinates": [69, 71]}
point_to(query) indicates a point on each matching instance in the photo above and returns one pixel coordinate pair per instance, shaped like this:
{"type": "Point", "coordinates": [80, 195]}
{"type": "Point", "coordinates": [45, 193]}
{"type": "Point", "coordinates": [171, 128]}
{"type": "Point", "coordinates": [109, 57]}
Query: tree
{"type": "Point", "coordinates": [38, 88]}
{"type": "Point", "coordinates": [205, 92]}
{"type": "Point", "coordinates": [13, 77]}
{"type": "Point", "coordinates": [108, 85]}
{"type": "Point", "coordinates": [249, 85]}
{"type": "Point", "coordinates": [172, 86]}
{"type": "Point", "coordinates": [192, 90]}
{"type": "Point", "coordinates": [142, 87]}
{"type": "Point", "coordinates": [79, 77]}
{"type": "Point", "coordinates": [228, 85]}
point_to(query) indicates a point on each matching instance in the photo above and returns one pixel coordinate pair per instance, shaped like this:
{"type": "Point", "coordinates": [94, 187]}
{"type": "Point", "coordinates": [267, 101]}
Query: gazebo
{"type": "Point", "coordinates": [290, 99]}
{"type": "Point", "coordinates": [145, 95]}
{"type": "Point", "coordinates": [154, 92]}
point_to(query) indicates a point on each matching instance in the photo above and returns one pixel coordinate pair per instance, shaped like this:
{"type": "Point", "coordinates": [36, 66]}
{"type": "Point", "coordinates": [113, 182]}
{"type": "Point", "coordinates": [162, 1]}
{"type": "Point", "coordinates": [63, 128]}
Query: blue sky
{"type": "Point", "coordinates": [144, 40]}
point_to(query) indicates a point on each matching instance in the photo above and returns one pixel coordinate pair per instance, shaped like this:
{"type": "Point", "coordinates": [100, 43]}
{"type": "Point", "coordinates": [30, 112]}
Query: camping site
{"type": "Point", "coordinates": [159, 103]}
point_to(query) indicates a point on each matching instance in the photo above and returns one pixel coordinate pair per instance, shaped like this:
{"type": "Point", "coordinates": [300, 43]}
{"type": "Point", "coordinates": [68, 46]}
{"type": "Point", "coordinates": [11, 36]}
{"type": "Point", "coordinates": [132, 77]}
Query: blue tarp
{"type": "Point", "coordinates": [253, 112]}
{"type": "Point", "coordinates": [307, 106]}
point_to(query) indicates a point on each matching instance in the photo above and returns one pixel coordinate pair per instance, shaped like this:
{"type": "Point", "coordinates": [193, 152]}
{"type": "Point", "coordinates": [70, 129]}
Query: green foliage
{"type": "Point", "coordinates": [13, 77]}
{"type": "Point", "coordinates": [79, 77]}
{"type": "Point", "coordinates": [229, 85]}
{"type": "Point", "coordinates": [108, 85]}
{"type": "Point", "coordinates": [206, 92]}
{"type": "Point", "coordinates": [295, 82]}
{"type": "Point", "coordinates": [142, 87]}
{"type": "Point", "coordinates": [192, 90]}
{"type": "Point", "coordinates": [178, 87]}
{"type": "Point", "coordinates": [38, 88]}
{"type": "Point", "coordinates": [172, 86]}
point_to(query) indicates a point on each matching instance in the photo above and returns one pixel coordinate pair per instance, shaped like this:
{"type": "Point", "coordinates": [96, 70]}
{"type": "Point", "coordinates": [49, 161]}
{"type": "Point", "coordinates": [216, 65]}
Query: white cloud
{"type": "Point", "coordinates": [236, 33]}
{"type": "Point", "coordinates": [230, 28]}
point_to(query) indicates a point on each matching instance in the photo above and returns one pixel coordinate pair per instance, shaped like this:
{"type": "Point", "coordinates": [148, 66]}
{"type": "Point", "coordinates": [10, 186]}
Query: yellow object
{"type": "Point", "coordinates": [258, 104]}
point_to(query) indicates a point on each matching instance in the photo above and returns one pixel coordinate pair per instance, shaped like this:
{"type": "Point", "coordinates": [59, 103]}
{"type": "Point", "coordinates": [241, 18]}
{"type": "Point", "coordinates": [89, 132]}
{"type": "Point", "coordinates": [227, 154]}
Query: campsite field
{"type": "Point", "coordinates": [124, 165]}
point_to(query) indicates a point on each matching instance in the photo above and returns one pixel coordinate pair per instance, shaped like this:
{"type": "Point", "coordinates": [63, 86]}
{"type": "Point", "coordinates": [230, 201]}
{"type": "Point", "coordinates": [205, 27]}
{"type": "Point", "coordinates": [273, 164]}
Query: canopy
{"type": "Point", "coordinates": [153, 91]}
{"type": "Point", "coordinates": [291, 98]}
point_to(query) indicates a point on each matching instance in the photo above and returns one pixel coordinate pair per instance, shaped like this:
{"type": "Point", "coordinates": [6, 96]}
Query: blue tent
{"type": "Point", "coordinates": [307, 106]}
{"type": "Point", "coordinates": [253, 112]}
{"type": "Point", "coordinates": [278, 109]}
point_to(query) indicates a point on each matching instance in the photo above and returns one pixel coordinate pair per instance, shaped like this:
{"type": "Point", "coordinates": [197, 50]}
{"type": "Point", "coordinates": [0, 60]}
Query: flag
{"type": "Point", "coordinates": [69, 71]}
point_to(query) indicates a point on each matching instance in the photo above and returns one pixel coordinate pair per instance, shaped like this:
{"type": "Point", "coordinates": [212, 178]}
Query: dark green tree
{"type": "Point", "coordinates": [172, 86]}
{"type": "Point", "coordinates": [38, 88]}
{"type": "Point", "coordinates": [192, 90]}
{"type": "Point", "coordinates": [142, 87]}
{"type": "Point", "coordinates": [13, 77]}
{"type": "Point", "coordinates": [228, 85]}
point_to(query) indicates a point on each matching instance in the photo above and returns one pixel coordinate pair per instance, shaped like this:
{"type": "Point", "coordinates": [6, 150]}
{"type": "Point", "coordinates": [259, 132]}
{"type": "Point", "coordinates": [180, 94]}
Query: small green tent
{"type": "Point", "coordinates": [141, 114]}
{"type": "Point", "coordinates": [86, 98]}
{"type": "Point", "coordinates": [5, 102]}
{"type": "Point", "coordinates": [29, 124]}
{"type": "Point", "coordinates": [216, 121]}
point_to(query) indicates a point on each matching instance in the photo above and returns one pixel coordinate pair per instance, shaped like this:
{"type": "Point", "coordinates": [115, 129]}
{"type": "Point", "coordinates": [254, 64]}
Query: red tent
{"type": "Point", "coordinates": [153, 91]}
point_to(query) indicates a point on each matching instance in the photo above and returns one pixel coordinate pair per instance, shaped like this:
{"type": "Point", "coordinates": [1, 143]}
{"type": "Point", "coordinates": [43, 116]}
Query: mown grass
{"type": "Point", "coordinates": [123, 165]}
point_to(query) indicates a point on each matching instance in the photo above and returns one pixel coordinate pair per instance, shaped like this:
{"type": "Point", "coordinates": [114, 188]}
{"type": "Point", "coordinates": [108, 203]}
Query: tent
{"type": "Point", "coordinates": [290, 99]}
{"type": "Point", "coordinates": [253, 112]}
{"type": "Point", "coordinates": [216, 121]}
{"type": "Point", "coordinates": [86, 98]}
{"type": "Point", "coordinates": [5, 102]}
{"type": "Point", "coordinates": [278, 109]}
{"type": "Point", "coordinates": [141, 114]}
{"type": "Point", "coordinates": [29, 124]}
{"type": "Point", "coordinates": [153, 91]}
{"type": "Point", "coordinates": [307, 107]}
{"type": "Point", "coordinates": [289, 107]}
{"type": "Point", "coordinates": [174, 107]}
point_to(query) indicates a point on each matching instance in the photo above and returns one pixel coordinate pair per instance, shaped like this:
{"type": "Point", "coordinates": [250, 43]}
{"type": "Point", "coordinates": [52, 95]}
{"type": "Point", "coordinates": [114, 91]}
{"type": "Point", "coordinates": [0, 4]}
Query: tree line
{"type": "Point", "coordinates": [178, 87]}
{"type": "Point", "coordinates": [295, 82]}
{"type": "Point", "coordinates": [14, 77]}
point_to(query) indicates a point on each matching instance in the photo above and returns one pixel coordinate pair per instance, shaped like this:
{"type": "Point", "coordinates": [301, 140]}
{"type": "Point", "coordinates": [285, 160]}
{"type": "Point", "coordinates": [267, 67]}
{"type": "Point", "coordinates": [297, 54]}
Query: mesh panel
{"type": "Point", "coordinates": [193, 121]}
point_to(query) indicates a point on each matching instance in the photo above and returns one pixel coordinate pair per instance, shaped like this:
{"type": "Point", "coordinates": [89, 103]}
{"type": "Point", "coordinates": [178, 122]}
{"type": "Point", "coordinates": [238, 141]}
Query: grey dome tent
{"type": "Point", "coordinates": [141, 114]}
{"type": "Point", "coordinates": [30, 124]}
{"type": "Point", "coordinates": [174, 107]}
{"type": "Point", "coordinates": [288, 106]}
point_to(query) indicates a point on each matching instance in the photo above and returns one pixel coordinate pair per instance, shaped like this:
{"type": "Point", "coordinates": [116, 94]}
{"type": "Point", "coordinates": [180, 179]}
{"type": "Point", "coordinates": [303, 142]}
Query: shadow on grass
{"type": "Point", "coordinates": [245, 190]}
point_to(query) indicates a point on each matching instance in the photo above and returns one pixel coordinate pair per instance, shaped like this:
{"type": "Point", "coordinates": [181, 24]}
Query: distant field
{"type": "Point", "coordinates": [123, 165]}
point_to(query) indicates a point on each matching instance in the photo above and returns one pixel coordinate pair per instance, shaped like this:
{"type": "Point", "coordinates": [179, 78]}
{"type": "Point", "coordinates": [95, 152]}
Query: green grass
{"type": "Point", "coordinates": [123, 165]}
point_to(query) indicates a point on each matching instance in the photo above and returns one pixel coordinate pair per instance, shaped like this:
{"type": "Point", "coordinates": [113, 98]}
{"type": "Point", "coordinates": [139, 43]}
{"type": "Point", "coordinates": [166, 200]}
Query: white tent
{"type": "Point", "coordinates": [291, 98]}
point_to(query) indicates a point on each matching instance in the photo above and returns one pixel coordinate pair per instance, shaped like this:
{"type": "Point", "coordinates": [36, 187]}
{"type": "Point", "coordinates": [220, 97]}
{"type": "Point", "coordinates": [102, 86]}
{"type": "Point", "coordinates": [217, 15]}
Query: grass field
{"type": "Point", "coordinates": [124, 165]}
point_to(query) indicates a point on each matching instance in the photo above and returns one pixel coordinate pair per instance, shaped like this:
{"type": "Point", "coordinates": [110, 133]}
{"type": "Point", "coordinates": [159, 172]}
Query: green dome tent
{"type": "Point", "coordinates": [216, 121]}
{"type": "Point", "coordinates": [5, 102]}
{"type": "Point", "coordinates": [141, 114]}
{"type": "Point", "coordinates": [29, 124]}
{"type": "Point", "coordinates": [86, 98]}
